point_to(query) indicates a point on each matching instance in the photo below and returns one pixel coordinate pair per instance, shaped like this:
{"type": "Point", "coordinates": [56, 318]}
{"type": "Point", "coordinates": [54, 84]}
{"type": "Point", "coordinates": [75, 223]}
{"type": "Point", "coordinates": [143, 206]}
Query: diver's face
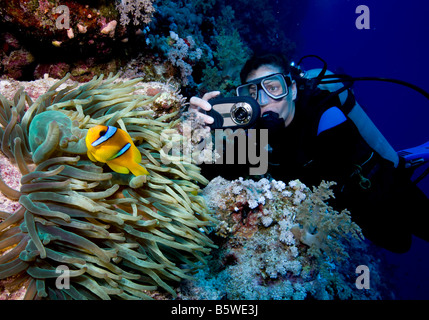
{"type": "Point", "coordinates": [284, 107]}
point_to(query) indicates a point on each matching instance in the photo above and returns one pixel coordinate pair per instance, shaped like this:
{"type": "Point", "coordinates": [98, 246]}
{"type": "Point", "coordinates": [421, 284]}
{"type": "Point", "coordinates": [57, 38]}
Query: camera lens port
{"type": "Point", "coordinates": [241, 113]}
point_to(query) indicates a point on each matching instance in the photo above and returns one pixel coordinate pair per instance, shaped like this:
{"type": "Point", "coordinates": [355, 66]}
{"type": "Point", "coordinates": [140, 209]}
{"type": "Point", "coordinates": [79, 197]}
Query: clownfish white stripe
{"type": "Point", "coordinates": [109, 133]}
{"type": "Point", "coordinates": [121, 152]}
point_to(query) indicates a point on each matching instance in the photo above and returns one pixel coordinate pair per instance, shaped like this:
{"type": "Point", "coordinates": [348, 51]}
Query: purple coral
{"type": "Point", "coordinates": [15, 64]}
{"type": "Point", "coordinates": [141, 11]}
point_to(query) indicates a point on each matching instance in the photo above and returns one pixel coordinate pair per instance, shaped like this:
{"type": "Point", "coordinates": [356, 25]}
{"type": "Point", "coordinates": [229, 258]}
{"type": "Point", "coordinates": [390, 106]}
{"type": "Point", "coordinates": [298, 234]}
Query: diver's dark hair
{"type": "Point", "coordinates": [273, 59]}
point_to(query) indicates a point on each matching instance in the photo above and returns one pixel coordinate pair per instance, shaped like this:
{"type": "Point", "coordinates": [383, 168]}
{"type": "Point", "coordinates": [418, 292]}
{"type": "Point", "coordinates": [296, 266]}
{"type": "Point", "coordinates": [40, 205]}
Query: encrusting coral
{"type": "Point", "coordinates": [281, 241]}
{"type": "Point", "coordinates": [113, 235]}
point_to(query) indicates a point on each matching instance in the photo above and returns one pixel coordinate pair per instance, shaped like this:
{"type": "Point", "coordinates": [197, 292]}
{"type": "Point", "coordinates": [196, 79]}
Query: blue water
{"type": "Point", "coordinates": [395, 46]}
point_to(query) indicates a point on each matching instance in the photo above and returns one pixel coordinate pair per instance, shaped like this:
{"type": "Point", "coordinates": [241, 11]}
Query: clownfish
{"type": "Point", "coordinates": [115, 147]}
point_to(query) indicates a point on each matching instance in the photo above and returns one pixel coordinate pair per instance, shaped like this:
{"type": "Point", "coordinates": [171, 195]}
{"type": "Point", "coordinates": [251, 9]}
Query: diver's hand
{"type": "Point", "coordinates": [198, 104]}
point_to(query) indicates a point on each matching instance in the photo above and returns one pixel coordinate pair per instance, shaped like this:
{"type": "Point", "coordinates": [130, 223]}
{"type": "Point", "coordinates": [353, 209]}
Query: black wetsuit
{"type": "Point", "coordinates": [381, 198]}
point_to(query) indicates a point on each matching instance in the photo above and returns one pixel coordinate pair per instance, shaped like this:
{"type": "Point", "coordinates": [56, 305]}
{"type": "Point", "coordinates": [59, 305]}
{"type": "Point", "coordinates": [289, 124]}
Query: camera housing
{"type": "Point", "coordinates": [234, 112]}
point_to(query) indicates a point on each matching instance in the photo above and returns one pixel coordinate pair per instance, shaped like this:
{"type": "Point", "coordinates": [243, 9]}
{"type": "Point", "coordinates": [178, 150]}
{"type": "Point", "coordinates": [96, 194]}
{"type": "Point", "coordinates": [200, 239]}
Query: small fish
{"type": "Point", "coordinates": [116, 148]}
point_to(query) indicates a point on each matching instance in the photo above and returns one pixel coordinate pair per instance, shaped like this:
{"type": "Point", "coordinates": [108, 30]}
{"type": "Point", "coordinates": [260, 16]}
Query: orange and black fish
{"type": "Point", "coordinates": [115, 147]}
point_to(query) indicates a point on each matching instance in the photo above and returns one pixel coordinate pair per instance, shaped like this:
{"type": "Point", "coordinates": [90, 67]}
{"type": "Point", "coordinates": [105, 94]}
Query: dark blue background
{"type": "Point", "coordinates": [395, 46]}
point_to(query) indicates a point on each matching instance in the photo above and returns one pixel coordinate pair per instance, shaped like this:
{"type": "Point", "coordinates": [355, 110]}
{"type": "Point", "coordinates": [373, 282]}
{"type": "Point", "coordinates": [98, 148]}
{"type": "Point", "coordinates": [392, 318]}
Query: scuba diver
{"type": "Point", "coordinates": [317, 131]}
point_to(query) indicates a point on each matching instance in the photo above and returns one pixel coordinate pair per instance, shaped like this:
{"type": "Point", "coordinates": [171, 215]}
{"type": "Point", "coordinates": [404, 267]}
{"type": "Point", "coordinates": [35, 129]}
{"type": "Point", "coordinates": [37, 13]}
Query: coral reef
{"type": "Point", "coordinates": [141, 11]}
{"type": "Point", "coordinates": [80, 231]}
{"type": "Point", "coordinates": [182, 54]}
{"type": "Point", "coordinates": [231, 53]}
{"type": "Point", "coordinates": [223, 31]}
{"type": "Point", "coordinates": [201, 43]}
{"type": "Point", "coordinates": [207, 50]}
{"type": "Point", "coordinates": [56, 38]}
{"type": "Point", "coordinates": [281, 241]}
{"type": "Point", "coordinates": [150, 69]}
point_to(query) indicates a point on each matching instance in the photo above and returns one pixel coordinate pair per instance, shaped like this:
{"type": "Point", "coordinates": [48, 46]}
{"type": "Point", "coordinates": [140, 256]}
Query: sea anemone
{"type": "Point", "coordinates": [103, 234]}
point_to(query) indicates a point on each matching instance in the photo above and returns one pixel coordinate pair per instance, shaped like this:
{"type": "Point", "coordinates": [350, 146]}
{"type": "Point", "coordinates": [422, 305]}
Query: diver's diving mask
{"type": "Point", "coordinates": [274, 86]}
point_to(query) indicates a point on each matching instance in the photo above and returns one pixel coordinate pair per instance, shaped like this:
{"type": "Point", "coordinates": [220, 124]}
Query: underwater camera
{"type": "Point", "coordinates": [234, 112]}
